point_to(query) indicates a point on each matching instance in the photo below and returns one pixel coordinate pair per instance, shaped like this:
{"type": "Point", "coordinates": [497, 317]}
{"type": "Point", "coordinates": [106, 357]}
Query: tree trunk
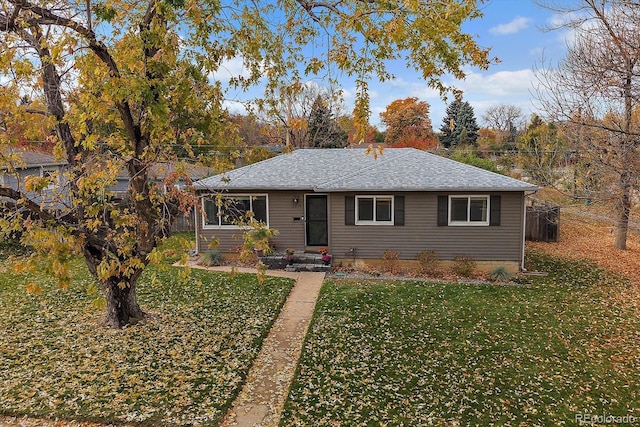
{"type": "Point", "coordinates": [122, 304]}
{"type": "Point", "coordinates": [623, 207]}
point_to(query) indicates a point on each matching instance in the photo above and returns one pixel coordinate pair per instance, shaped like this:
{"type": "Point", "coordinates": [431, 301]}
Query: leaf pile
{"type": "Point", "coordinates": [183, 367]}
{"type": "Point", "coordinates": [416, 353]}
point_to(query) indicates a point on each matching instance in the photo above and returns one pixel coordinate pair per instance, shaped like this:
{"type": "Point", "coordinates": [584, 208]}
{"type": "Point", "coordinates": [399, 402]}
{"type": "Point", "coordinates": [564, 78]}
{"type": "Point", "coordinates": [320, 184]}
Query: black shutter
{"type": "Point", "coordinates": [443, 210]}
{"type": "Point", "coordinates": [398, 210]}
{"type": "Point", "coordinates": [494, 219]}
{"type": "Point", "coordinates": [349, 210]}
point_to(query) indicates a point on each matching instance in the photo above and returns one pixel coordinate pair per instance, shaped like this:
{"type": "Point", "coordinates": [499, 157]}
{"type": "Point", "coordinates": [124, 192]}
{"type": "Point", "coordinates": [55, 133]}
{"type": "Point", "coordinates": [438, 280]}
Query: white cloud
{"type": "Point", "coordinates": [517, 24]}
{"type": "Point", "coordinates": [234, 107]}
{"type": "Point", "coordinates": [230, 68]}
{"type": "Point", "coordinates": [502, 83]}
{"type": "Point", "coordinates": [348, 95]}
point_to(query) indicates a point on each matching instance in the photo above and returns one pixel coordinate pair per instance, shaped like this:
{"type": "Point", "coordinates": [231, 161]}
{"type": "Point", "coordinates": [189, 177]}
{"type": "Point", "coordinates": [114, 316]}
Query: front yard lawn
{"type": "Point", "coordinates": [183, 366]}
{"type": "Point", "coordinates": [542, 352]}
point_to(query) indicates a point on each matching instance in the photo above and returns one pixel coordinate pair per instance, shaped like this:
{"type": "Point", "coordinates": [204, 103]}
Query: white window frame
{"type": "Point", "coordinates": [468, 222]}
{"type": "Point", "coordinates": [230, 196]}
{"type": "Point", "coordinates": [375, 221]}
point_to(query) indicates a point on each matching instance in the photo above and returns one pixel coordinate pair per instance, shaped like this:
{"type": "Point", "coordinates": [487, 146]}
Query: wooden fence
{"type": "Point", "coordinates": [184, 222]}
{"type": "Point", "coordinates": [543, 221]}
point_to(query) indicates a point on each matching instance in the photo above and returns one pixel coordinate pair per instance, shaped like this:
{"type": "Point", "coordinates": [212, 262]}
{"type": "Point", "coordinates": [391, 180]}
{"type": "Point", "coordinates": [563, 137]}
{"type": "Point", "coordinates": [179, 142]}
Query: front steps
{"type": "Point", "coordinates": [302, 261]}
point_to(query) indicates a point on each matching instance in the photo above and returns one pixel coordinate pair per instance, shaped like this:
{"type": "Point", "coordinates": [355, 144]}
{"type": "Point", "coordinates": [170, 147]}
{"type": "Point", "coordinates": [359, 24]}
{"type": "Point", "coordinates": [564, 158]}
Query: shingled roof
{"type": "Point", "coordinates": [338, 170]}
{"type": "Point", "coordinates": [31, 159]}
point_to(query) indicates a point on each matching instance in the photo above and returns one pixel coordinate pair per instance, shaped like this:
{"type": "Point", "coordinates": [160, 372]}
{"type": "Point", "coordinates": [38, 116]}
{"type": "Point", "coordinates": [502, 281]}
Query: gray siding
{"type": "Point", "coordinates": [421, 232]}
{"type": "Point", "coordinates": [282, 212]}
{"type": "Point", "coordinates": [51, 198]}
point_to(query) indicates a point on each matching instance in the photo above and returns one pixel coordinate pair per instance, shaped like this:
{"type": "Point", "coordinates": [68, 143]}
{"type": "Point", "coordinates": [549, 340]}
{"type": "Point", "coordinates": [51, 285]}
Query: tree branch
{"type": "Point", "coordinates": [30, 205]}
{"type": "Point", "coordinates": [46, 17]}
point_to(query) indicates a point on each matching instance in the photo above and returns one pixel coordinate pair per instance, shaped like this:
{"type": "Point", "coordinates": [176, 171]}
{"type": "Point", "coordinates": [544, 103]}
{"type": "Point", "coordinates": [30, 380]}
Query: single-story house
{"type": "Point", "coordinates": [357, 205]}
{"type": "Point", "coordinates": [19, 163]}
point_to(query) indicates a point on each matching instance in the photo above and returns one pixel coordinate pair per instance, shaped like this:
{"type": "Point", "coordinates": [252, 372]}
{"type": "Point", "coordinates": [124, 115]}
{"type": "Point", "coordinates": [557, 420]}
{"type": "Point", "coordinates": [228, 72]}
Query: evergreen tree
{"type": "Point", "coordinates": [324, 131]}
{"type": "Point", "coordinates": [448, 124]}
{"type": "Point", "coordinates": [466, 121]}
{"type": "Point", "coordinates": [463, 138]}
{"type": "Point", "coordinates": [460, 121]}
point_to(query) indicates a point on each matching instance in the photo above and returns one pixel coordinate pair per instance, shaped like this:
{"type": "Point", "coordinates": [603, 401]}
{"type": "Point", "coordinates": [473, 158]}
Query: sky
{"type": "Point", "coordinates": [515, 32]}
{"type": "Point", "coordinates": [512, 29]}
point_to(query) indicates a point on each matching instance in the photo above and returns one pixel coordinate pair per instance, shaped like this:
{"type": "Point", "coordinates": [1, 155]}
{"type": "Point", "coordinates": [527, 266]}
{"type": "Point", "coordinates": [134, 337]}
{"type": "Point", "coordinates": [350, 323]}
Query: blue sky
{"type": "Point", "coordinates": [513, 29]}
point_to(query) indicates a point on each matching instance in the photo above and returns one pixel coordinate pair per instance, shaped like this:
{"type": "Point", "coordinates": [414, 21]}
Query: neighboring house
{"type": "Point", "coordinates": [30, 163]}
{"type": "Point", "coordinates": [358, 206]}
{"type": "Point", "coordinates": [17, 164]}
{"type": "Point", "coordinates": [160, 171]}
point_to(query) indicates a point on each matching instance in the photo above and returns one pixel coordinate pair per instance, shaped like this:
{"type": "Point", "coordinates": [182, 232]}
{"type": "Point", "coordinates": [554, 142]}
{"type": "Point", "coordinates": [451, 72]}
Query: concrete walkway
{"type": "Point", "coordinates": [262, 398]}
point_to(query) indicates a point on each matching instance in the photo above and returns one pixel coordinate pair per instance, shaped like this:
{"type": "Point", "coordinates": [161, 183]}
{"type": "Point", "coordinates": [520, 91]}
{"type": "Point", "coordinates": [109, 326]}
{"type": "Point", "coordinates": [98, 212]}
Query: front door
{"type": "Point", "coordinates": [317, 230]}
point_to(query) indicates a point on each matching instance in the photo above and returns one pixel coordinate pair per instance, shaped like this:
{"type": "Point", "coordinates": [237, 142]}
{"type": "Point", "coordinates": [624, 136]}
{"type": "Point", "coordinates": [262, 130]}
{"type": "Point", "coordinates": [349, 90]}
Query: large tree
{"type": "Point", "coordinates": [596, 88]}
{"type": "Point", "coordinates": [124, 81]}
{"type": "Point", "coordinates": [408, 123]}
{"type": "Point", "coordinates": [289, 112]}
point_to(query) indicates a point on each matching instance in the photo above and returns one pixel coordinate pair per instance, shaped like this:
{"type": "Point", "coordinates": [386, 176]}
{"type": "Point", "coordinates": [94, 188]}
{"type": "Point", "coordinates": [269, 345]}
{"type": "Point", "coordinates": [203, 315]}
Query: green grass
{"type": "Point", "coordinates": [183, 366]}
{"type": "Point", "coordinates": [415, 353]}
{"type": "Point", "coordinates": [10, 247]}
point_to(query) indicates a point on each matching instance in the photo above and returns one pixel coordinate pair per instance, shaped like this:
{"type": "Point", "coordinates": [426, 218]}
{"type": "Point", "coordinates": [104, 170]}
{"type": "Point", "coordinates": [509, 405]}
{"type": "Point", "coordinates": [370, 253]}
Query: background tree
{"type": "Point", "coordinates": [323, 129]}
{"type": "Point", "coordinates": [542, 151]}
{"type": "Point", "coordinates": [22, 122]}
{"type": "Point", "coordinates": [597, 86]}
{"type": "Point", "coordinates": [372, 134]}
{"type": "Point", "coordinates": [408, 124]}
{"type": "Point", "coordinates": [253, 130]}
{"type": "Point", "coordinates": [290, 111]}
{"type": "Point", "coordinates": [506, 121]}
{"type": "Point", "coordinates": [141, 79]}
{"type": "Point", "coordinates": [459, 126]}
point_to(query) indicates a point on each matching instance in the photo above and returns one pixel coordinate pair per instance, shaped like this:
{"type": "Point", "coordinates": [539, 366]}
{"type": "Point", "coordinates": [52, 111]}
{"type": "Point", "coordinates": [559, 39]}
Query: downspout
{"type": "Point", "coordinates": [524, 226]}
{"type": "Point", "coordinates": [197, 224]}
{"type": "Point", "coordinates": [524, 229]}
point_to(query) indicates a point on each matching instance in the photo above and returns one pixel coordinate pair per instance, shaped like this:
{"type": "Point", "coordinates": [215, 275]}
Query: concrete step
{"type": "Point", "coordinates": [301, 262]}
{"type": "Point", "coordinates": [308, 267]}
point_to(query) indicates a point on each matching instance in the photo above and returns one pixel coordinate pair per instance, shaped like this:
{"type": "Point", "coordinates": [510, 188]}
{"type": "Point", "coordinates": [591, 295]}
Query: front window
{"type": "Point", "coordinates": [231, 210]}
{"type": "Point", "coordinates": [374, 210]}
{"type": "Point", "coordinates": [469, 210]}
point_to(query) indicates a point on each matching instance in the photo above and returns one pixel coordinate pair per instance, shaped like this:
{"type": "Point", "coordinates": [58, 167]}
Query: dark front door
{"type": "Point", "coordinates": [316, 220]}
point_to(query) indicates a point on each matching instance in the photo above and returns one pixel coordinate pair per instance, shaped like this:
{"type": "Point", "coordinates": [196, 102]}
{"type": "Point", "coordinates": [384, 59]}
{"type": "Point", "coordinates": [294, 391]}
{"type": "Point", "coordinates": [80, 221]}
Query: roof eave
{"type": "Point", "coordinates": [431, 190]}
{"type": "Point", "coordinates": [356, 189]}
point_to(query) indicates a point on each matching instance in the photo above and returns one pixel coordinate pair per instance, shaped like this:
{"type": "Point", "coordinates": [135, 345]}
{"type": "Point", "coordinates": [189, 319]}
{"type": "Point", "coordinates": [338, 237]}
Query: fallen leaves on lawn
{"type": "Point", "coordinates": [183, 366]}
{"type": "Point", "coordinates": [586, 238]}
{"type": "Point", "coordinates": [416, 353]}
